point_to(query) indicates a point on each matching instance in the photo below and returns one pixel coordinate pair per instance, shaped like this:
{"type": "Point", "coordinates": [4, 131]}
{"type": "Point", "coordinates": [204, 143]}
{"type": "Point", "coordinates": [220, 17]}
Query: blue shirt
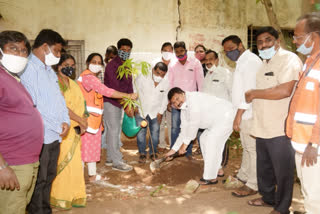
{"type": "Point", "coordinates": [42, 84]}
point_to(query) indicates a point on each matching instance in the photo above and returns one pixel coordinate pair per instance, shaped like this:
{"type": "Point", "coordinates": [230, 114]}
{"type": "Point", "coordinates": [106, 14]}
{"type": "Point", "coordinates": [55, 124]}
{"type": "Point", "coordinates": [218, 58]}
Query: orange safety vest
{"type": "Point", "coordinates": [94, 102]}
{"type": "Point", "coordinates": [302, 124]}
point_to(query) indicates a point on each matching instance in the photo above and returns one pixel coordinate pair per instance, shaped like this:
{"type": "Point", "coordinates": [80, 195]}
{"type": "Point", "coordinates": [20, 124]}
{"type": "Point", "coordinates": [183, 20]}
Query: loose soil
{"type": "Point", "coordinates": [141, 191]}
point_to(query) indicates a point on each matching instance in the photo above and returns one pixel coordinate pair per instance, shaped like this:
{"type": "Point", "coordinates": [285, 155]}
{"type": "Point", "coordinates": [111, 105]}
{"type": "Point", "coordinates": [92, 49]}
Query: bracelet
{"type": "Point", "coordinates": [5, 165]}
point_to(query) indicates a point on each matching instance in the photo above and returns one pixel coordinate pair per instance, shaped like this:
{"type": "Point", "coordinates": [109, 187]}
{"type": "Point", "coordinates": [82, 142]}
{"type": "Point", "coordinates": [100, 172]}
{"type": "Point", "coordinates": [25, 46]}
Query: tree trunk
{"type": "Point", "coordinates": [274, 21]}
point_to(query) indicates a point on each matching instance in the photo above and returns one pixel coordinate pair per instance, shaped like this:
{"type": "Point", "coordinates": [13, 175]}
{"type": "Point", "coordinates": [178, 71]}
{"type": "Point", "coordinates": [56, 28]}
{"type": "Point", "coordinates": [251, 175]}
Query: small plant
{"type": "Point", "coordinates": [131, 68]}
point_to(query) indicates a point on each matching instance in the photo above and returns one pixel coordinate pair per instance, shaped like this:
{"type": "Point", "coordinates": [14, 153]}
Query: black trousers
{"type": "Point", "coordinates": [40, 201]}
{"type": "Point", "coordinates": [275, 171]}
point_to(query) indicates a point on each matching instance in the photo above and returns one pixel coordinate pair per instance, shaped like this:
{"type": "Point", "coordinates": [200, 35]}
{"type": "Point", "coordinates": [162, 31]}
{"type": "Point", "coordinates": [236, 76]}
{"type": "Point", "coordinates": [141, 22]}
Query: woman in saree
{"type": "Point", "coordinates": [68, 188]}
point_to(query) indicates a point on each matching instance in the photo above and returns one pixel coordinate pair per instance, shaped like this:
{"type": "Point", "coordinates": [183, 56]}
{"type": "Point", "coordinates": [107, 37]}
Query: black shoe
{"type": "Point", "coordinates": [153, 157]}
{"type": "Point", "coordinates": [142, 159]}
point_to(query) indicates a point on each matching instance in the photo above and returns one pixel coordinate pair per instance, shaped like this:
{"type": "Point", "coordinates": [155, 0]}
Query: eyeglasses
{"type": "Point", "coordinates": [296, 38]}
{"type": "Point", "coordinates": [17, 51]}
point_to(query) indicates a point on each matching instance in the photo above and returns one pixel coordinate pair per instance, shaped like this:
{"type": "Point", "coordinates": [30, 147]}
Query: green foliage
{"type": "Point", "coordinates": [127, 102]}
{"type": "Point", "coordinates": [131, 68]}
{"type": "Point", "coordinates": [257, 1]}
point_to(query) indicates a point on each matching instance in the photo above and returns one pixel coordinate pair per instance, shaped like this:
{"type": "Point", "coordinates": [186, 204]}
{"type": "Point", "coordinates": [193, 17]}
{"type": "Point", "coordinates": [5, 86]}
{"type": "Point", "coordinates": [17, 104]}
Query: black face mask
{"type": "Point", "coordinates": [68, 71]}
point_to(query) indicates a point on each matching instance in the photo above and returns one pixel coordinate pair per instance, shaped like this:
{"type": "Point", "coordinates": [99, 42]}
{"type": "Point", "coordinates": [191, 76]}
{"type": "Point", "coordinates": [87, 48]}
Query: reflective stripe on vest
{"type": "Point", "coordinates": [91, 109]}
{"type": "Point", "coordinates": [309, 119]}
{"type": "Point", "coordinates": [92, 131]}
{"type": "Point", "coordinates": [315, 74]}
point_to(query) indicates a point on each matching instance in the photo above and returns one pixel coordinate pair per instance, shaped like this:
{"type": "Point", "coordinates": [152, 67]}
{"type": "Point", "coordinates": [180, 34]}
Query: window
{"type": "Point", "coordinates": [252, 43]}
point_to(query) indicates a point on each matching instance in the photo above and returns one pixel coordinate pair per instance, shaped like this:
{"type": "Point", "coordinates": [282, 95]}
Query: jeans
{"type": "Point", "coordinates": [154, 132]}
{"type": "Point", "coordinates": [175, 129]}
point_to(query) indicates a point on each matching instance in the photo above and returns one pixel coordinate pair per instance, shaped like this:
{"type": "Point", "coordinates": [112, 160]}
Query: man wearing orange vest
{"type": "Point", "coordinates": [303, 123]}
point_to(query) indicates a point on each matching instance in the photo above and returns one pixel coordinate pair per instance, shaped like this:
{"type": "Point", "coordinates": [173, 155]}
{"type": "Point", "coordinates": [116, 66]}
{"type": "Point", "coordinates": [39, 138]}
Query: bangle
{"type": "Point", "coordinates": [5, 165]}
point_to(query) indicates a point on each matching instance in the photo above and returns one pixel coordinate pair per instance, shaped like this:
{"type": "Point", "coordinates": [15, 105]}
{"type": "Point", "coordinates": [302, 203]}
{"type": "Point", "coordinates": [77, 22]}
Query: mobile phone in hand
{"type": "Point", "coordinates": [77, 129]}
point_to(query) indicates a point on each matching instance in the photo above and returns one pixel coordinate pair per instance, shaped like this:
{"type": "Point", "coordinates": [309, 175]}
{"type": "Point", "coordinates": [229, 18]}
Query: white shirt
{"type": "Point", "coordinates": [159, 59]}
{"type": "Point", "coordinates": [218, 83]}
{"type": "Point", "coordinates": [244, 79]}
{"type": "Point", "coordinates": [153, 99]}
{"type": "Point", "coordinates": [203, 111]}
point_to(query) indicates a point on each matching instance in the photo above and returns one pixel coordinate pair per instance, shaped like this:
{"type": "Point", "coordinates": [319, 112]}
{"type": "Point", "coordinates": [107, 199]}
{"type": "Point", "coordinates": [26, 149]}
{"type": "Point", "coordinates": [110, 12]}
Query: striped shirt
{"type": "Point", "coordinates": [42, 84]}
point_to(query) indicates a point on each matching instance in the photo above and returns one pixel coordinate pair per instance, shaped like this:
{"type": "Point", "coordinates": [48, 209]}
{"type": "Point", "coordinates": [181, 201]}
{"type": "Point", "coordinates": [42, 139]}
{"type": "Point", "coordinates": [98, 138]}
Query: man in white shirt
{"type": "Point", "coordinates": [218, 81]}
{"type": "Point", "coordinates": [168, 58]}
{"type": "Point", "coordinates": [244, 79]}
{"type": "Point", "coordinates": [152, 91]}
{"type": "Point", "coordinates": [217, 127]}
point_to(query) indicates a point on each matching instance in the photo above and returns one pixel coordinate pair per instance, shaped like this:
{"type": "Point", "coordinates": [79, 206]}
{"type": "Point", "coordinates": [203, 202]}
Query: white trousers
{"type": "Point", "coordinates": [310, 184]}
{"type": "Point", "coordinates": [212, 142]}
{"type": "Point", "coordinates": [248, 169]}
{"type": "Point", "coordinates": [92, 168]}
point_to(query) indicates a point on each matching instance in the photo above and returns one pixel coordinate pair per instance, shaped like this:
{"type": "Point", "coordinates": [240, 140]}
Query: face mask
{"type": "Point", "coordinates": [157, 79]}
{"type": "Point", "coordinates": [123, 55]}
{"type": "Point", "coordinates": [200, 56]}
{"type": "Point", "coordinates": [182, 58]}
{"type": "Point", "coordinates": [166, 55]}
{"type": "Point", "coordinates": [303, 49]}
{"type": "Point", "coordinates": [183, 106]}
{"type": "Point", "coordinates": [51, 59]}
{"type": "Point", "coordinates": [212, 68]}
{"type": "Point", "coordinates": [95, 68]}
{"type": "Point", "coordinates": [267, 53]}
{"type": "Point", "coordinates": [68, 71]}
{"type": "Point", "coordinates": [14, 64]}
{"type": "Point", "coordinates": [233, 55]}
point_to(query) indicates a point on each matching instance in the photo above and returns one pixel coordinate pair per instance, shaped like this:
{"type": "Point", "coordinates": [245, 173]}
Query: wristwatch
{"type": "Point", "coordinates": [3, 166]}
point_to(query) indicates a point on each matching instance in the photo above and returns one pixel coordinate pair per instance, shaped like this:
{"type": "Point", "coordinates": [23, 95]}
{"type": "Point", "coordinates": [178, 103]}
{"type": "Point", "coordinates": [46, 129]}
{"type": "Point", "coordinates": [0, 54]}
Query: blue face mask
{"type": "Point", "coordinates": [303, 49]}
{"type": "Point", "coordinates": [267, 53]}
{"type": "Point", "coordinates": [123, 55]}
{"type": "Point", "coordinates": [233, 55]}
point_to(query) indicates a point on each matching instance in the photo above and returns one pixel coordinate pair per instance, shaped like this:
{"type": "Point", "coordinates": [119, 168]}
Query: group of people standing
{"type": "Point", "coordinates": [275, 107]}
{"type": "Point", "coordinates": [51, 125]}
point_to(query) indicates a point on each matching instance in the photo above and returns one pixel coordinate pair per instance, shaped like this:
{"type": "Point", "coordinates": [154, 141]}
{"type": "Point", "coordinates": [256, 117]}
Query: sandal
{"type": "Point", "coordinates": [207, 182]}
{"type": "Point", "coordinates": [258, 202]}
{"type": "Point", "coordinates": [244, 191]}
{"type": "Point", "coordinates": [98, 178]}
{"type": "Point", "coordinates": [221, 174]}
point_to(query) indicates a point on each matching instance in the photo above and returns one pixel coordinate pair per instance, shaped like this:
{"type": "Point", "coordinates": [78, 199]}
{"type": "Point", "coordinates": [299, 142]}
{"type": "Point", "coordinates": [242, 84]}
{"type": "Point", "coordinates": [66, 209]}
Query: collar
{"type": "Point", "coordinates": [11, 74]}
{"type": "Point", "coordinates": [243, 56]}
{"type": "Point", "coordinates": [313, 56]}
{"type": "Point", "coordinates": [33, 58]}
{"type": "Point", "coordinates": [276, 55]}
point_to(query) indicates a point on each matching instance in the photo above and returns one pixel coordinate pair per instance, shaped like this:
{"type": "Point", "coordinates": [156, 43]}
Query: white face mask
{"type": "Point", "coordinates": [51, 59]}
{"type": "Point", "coordinates": [166, 55]}
{"type": "Point", "coordinates": [183, 106]}
{"type": "Point", "coordinates": [157, 79]}
{"type": "Point", "coordinates": [212, 68]}
{"type": "Point", "coordinates": [95, 68]}
{"type": "Point", "coordinates": [14, 64]}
